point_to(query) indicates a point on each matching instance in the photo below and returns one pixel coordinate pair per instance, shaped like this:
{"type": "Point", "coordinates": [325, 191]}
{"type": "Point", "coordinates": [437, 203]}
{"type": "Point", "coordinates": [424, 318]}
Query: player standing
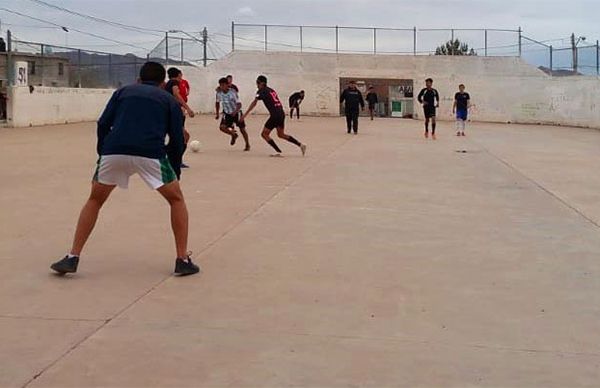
{"type": "Point", "coordinates": [462, 104]}
{"type": "Point", "coordinates": [430, 99]}
{"type": "Point", "coordinates": [276, 115]}
{"type": "Point", "coordinates": [177, 87]}
{"type": "Point", "coordinates": [131, 140]}
{"type": "Point", "coordinates": [372, 100]}
{"type": "Point", "coordinates": [228, 99]}
{"type": "Point", "coordinates": [295, 101]}
{"type": "Point", "coordinates": [353, 99]}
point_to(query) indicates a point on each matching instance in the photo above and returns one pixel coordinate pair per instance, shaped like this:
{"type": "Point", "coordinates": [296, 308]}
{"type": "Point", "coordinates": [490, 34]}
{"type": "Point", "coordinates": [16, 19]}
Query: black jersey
{"type": "Point", "coordinates": [170, 85]}
{"type": "Point", "coordinates": [462, 100]}
{"type": "Point", "coordinates": [271, 100]}
{"type": "Point", "coordinates": [429, 96]}
{"type": "Point", "coordinates": [295, 98]}
{"type": "Point", "coordinates": [372, 98]}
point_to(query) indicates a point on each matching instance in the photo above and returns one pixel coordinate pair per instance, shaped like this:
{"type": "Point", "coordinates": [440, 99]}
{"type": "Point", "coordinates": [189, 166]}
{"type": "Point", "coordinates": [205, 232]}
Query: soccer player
{"type": "Point", "coordinates": [276, 116]}
{"type": "Point", "coordinates": [131, 140]}
{"type": "Point", "coordinates": [231, 84]}
{"type": "Point", "coordinates": [177, 87]}
{"type": "Point", "coordinates": [462, 104]}
{"type": "Point", "coordinates": [372, 100]}
{"type": "Point", "coordinates": [295, 101]}
{"type": "Point", "coordinates": [230, 101]}
{"type": "Point", "coordinates": [353, 99]}
{"type": "Point", "coordinates": [430, 99]}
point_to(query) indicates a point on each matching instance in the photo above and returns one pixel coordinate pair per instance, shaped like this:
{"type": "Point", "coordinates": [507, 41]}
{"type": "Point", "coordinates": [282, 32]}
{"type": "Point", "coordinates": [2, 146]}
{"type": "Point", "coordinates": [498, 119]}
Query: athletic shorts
{"type": "Point", "coordinates": [230, 121]}
{"type": "Point", "coordinates": [371, 106]}
{"type": "Point", "coordinates": [462, 114]}
{"type": "Point", "coordinates": [429, 111]}
{"type": "Point", "coordinates": [116, 170]}
{"type": "Point", "coordinates": [277, 121]}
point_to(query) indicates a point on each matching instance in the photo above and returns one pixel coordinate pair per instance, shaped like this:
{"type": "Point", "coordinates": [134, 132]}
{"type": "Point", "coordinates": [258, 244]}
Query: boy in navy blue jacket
{"type": "Point", "coordinates": [131, 140]}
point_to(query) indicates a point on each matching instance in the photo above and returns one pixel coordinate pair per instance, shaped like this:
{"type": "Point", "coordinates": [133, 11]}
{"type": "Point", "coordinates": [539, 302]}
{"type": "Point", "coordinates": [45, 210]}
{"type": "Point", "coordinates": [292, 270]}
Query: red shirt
{"type": "Point", "coordinates": [184, 89]}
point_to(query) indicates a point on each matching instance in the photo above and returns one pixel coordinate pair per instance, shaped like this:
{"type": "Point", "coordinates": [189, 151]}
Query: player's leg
{"type": "Point", "coordinates": [87, 220]}
{"type": "Point", "coordinates": [349, 121]}
{"type": "Point", "coordinates": [298, 111]}
{"type": "Point", "coordinates": [355, 122]}
{"type": "Point", "coordinates": [433, 126]}
{"type": "Point", "coordinates": [372, 112]}
{"type": "Point", "coordinates": [242, 126]}
{"type": "Point", "coordinates": [282, 135]}
{"type": "Point", "coordinates": [266, 134]}
{"type": "Point", "coordinates": [227, 125]}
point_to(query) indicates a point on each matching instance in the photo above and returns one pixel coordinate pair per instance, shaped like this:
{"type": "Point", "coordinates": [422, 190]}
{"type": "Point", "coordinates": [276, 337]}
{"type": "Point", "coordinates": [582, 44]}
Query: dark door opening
{"type": "Point", "coordinates": [395, 95]}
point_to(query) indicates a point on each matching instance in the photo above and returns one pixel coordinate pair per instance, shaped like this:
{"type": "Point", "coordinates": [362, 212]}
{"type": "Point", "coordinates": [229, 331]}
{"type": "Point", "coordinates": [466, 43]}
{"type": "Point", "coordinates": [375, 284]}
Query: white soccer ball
{"type": "Point", "coordinates": [195, 146]}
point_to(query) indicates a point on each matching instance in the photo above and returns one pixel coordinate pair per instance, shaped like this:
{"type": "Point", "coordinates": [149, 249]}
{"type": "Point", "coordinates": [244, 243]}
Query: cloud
{"type": "Point", "coordinates": [246, 11]}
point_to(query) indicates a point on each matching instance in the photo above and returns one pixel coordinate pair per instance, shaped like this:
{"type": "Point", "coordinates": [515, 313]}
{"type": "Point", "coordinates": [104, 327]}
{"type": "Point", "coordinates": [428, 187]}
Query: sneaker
{"type": "Point", "coordinates": [183, 165]}
{"type": "Point", "coordinates": [463, 134]}
{"type": "Point", "coordinates": [234, 138]}
{"type": "Point", "coordinates": [66, 265]}
{"type": "Point", "coordinates": [458, 134]}
{"type": "Point", "coordinates": [303, 149]}
{"type": "Point", "coordinates": [185, 266]}
{"type": "Point", "coordinates": [433, 136]}
{"type": "Point", "coordinates": [247, 148]}
{"type": "Point", "coordinates": [426, 135]}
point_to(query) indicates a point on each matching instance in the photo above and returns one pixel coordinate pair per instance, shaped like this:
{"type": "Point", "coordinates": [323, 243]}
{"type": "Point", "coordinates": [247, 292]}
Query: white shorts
{"type": "Point", "coordinates": [116, 170]}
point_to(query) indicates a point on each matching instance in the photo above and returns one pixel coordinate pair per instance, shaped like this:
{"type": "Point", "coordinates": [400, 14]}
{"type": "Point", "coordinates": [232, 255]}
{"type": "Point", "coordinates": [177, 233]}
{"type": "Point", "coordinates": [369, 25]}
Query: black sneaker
{"type": "Point", "coordinates": [184, 267]}
{"type": "Point", "coordinates": [66, 265]}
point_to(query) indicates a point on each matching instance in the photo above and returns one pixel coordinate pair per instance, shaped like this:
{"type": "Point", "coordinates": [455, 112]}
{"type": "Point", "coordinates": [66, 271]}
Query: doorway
{"type": "Point", "coordinates": [395, 96]}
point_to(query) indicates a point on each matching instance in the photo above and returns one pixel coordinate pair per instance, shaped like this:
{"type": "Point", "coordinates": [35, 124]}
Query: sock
{"type": "Point", "coordinates": [292, 140]}
{"type": "Point", "coordinates": [433, 128]}
{"type": "Point", "coordinates": [70, 256]}
{"type": "Point", "coordinates": [426, 127]}
{"type": "Point", "coordinates": [274, 145]}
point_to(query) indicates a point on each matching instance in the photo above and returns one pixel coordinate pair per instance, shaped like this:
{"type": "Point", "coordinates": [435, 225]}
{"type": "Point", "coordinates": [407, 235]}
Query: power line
{"type": "Point", "coordinates": [97, 19]}
{"type": "Point", "coordinates": [67, 29]}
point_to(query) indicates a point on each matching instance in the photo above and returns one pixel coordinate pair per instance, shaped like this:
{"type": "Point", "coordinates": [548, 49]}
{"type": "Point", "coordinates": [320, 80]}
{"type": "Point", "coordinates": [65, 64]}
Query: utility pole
{"type": "Point", "coordinates": [204, 44]}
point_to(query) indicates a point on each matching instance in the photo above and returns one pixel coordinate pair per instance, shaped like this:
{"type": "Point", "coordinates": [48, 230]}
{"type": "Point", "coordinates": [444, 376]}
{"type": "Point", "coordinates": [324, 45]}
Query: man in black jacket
{"type": "Point", "coordinates": [353, 99]}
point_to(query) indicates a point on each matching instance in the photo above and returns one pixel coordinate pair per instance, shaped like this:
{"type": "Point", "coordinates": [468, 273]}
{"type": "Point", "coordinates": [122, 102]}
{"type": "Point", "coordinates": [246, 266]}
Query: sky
{"type": "Point", "coordinates": [541, 20]}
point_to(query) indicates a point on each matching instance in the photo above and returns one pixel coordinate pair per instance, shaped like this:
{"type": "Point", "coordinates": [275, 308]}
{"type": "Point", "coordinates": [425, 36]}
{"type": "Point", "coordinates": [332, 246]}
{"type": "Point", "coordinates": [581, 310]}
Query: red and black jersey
{"type": "Point", "coordinates": [271, 100]}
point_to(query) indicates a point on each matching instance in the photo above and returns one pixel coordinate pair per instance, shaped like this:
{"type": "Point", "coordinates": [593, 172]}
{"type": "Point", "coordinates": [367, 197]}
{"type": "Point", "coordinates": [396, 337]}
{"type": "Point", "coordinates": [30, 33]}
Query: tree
{"type": "Point", "coordinates": [454, 47]}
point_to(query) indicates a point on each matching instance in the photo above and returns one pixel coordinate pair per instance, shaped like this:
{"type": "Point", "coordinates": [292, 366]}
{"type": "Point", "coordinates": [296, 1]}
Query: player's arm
{"type": "Point", "coordinates": [250, 109]}
{"type": "Point", "coordinates": [469, 102]}
{"type": "Point", "coordinates": [361, 100]}
{"type": "Point", "coordinates": [454, 105]}
{"type": "Point", "coordinates": [217, 109]}
{"type": "Point", "coordinates": [343, 97]}
{"type": "Point", "coordinates": [420, 96]}
{"type": "Point", "coordinates": [179, 98]}
{"type": "Point", "coordinates": [437, 99]}
{"type": "Point", "coordinates": [106, 120]}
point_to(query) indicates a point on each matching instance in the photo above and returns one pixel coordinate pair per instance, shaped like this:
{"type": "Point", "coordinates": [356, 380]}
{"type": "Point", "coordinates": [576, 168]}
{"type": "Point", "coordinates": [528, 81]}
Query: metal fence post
{"type": "Point", "coordinates": [414, 40]}
{"type": "Point", "coordinates": [551, 58]}
{"type": "Point", "coordinates": [597, 57]}
{"type": "Point", "coordinates": [79, 68]}
{"type": "Point", "coordinates": [181, 51]}
{"type": "Point", "coordinates": [9, 58]}
{"type": "Point", "coordinates": [374, 40]}
{"type": "Point", "coordinates": [520, 42]}
{"type": "Point", "coordinates": [43, 61]}
{"type": "Point", "coordinates": [301, 42]}
{"type": "Point", "coordinates": [266, 37]}
{"type": "Point", "coordinates": [337, 39]}
{"type": "Point", "coordinates": [486, 42]}
{"type": "Point", "coordinates": [167, 48]}
{"type": "Point", "coordinates": [452, 34]}
{"type": "Point", "coordinates": [232, 36]}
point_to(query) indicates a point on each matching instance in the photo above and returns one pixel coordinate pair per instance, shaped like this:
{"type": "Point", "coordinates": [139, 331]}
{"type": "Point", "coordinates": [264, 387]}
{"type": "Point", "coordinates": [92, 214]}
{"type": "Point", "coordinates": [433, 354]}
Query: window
{"type": "Point", "coordinates": [61, 69]}
{"type": "Point", "coordinates": [31, 66]}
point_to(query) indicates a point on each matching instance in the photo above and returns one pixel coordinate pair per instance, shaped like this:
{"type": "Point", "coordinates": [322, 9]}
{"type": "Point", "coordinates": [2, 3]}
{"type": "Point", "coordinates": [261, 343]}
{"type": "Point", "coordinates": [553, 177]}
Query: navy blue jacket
{"type": "Point", "coordinates": [137, 120]}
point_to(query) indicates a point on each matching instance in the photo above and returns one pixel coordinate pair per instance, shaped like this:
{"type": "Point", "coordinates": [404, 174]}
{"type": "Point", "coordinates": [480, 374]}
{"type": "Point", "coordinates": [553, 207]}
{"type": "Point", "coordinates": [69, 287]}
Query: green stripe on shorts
{"type": "Point", "coordinates": [166, 170]}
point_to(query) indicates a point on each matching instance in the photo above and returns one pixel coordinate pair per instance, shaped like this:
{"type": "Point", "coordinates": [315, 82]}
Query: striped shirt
{"type": "Point", "coordinates": [229, 100]}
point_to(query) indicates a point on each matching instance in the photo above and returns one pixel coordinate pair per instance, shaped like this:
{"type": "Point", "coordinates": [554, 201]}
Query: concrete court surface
{"type": "Point", "coordinates": [378, 260]}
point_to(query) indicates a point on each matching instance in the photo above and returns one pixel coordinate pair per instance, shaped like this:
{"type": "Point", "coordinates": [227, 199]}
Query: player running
{"type": "Point", "coordinates": [228, 98]}
{"type": "Point", "coordinates": [131, 140]}
{"type": "Point", "coordinates": [462, 104]}
{"type": "Point", "coordinates": [295, 101]}
{"type": "Point", "coordinates": [430, 99]}
{"type": "Point", "coordinates": [372, 100]}
{"type": "Point", "coordinates": [179, 88]}
{"type": "Point", "coordinates": [277, 116]}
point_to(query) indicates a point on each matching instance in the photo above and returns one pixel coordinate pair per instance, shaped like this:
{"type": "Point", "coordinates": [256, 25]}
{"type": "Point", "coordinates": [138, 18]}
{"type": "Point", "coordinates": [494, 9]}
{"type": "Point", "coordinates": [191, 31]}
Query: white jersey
{"type": "Point", "coordinates": [229, 101]}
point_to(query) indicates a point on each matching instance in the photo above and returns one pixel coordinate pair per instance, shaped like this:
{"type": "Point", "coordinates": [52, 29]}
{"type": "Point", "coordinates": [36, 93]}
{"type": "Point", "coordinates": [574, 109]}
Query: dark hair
{"type": "Point", "coordinates": [463, 85]}
{"type": "Point", "coordinates": [229, 76]}
{"type": "Point", "coordinates": [353, 82]}
{"type": "Point", "coordinates": [173, 72]}
{"type": "Point", "coordinates": [302, 91]}
{"type": "Point", "coordinates": [223, 81]}
{"type": "Point", "coordinates": [429, 80]}
{"type": "Point", "coordinates": [262, 79]}
{"type": "Point", "coordinates": [152, 72]}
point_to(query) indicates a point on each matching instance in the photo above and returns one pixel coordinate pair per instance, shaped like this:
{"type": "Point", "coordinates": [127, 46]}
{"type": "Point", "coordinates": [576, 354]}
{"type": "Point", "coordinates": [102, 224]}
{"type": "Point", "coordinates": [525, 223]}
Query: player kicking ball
{"type": "Point", "coordinates": [462, 104]}
{"type": "Point", "coordinates": [276, 116]}
{"type": "Point", "coordinates": [228, 98]}
{"type": "Point", "coordinates": [131, 140]}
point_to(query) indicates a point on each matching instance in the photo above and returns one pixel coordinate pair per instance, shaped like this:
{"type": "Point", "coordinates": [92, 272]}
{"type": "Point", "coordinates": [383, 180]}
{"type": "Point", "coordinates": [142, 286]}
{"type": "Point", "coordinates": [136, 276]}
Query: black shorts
{"type": "Point", "coordinates": [429, 111]}
{"type": "Point", "coordinates": [277, 121]}
{"type": "Point", "coordinates": [295, 104]}
{"type": "Point", "coordinates": [371, 106]}
{"type": "Point", "coordinates": [230, 120]}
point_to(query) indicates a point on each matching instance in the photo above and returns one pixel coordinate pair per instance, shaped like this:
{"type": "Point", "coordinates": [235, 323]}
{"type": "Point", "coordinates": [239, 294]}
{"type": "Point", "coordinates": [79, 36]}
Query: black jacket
{"type": "Point", "coordinates": [353, 99]}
